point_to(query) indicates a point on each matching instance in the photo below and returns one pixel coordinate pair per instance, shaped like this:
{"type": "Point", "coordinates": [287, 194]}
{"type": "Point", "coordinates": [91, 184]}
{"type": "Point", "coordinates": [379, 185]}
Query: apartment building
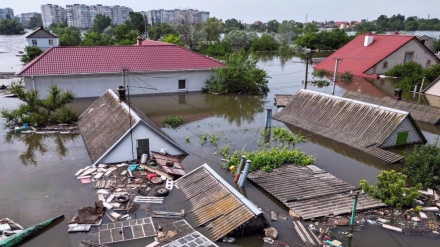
{"type": "Point", "coordinates": [6, 13]}
{"type": "Point", "coordinates": [174, 16]}
{"type": "Point", "coordinates": [82, 16]}
{"type": "Point", "coordinates": [52, 14]}
{"type": "Point", "coordinates": [25, 18]}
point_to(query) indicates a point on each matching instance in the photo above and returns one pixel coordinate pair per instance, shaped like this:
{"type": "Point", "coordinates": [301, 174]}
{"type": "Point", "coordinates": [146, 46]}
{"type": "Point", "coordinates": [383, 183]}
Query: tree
{"type": "Point", "coordinates": [38, 112]}
{"type": "Point", "coordinates": [190, 29]}
{"type": "Point", "coordinates": [93, 38]}
{"type": "Point", "coordinates": [258, 26]}
{"type": "Point", "coordinates": [240, 39]}
{"type": "Point", "coordinates": [124, 35]}
{"type": "Point", "coordinates": [69, 36]}
{"type": "Point", "coordinates": [10, 26]}
{"type": "Point", "coordinates": [100, 23]}
{"type": "Point", "coordinates": [310, 28]}
{"type": "Point", "coordinates": [423, 165]}
{"type": "Point", "coordinates": [241, 76]}
{"type": "Point", "coordinates": [158, 31]}
{"type": "Point", "coordinates": [272, 26]}
{"type": "Point", "coordinates": [391, 189]}
{"type": "Point", "coordinates": [233, 24]}
{"type": "Point", "coordinates": [265, 43]}
{"type": "Point", "coordinates": [288, 31]}
{"type": "Point", "coordinates": [35, 21]}
{"type": "Point", "coordinates": [213, 28]}
{"type": "Point", "coordinates": [30, 52]}
{"type": "Point", "coordinates": [172, 39]}
{"type": "Point", "coordinates": [136, 22]}
{"type": "Point", "coordinates": [215, 49]}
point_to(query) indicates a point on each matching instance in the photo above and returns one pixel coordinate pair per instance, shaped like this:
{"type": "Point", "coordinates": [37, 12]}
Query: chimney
{"type": "Point", "coordinates": [139, 40]}
{"type": "Point", "coordinates": [368, 39]}
{"type": "Point", "coordinates": [121, 92]}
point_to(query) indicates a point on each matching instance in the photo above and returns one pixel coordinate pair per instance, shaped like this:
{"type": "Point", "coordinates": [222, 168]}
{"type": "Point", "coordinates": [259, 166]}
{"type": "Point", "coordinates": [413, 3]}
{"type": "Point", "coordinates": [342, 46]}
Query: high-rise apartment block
{"type": "Point", "coordinates": [82, 16]}
{"type": "Point", "coordinates": [6, 13]}
{"type": "Point", "coordinates": [25, 18]}
{"type": "Point", "coordinates": [175, 16]}
{"type": "Point", "coordinates": [52, 14]}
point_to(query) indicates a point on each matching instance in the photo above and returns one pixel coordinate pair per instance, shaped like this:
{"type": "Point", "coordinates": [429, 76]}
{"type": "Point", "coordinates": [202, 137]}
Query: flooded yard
{"type": "Point", "coordinates": [37, 172]}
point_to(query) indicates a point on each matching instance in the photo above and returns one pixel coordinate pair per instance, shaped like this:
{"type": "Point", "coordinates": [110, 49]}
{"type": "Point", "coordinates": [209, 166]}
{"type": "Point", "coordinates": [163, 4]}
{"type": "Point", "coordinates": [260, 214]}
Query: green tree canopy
{"type": "Point", "coordinates": [93, 38]}
{"type": "Point", "coordinates": [69, 36]}
{"type": "Point", "coordinates": [156, 31]}
{"type": "Point", "coordinates": [215, 49]}
{"type": "Point", "coordinates": [213, 28]}
{"type": "Point", "coordinates": [172, 39]}
{"type": "Point", "coordinates": [423, 165]}
{"type": "Point", "coordinates": [288, 31]}
{"type": "Point", "coordinates": [124, 35]}
{"type": "Point", "coordinates": [35, 21]}
{"type": "Point", "coordinates": [233, 24]}
{"type": "Point", "coordinates": [240, 39]}
{"type": "Point", "coordinates": [100, 23]}
{"type": "Point", "coordinates": [272, 26]}
{"type": "Point", "coordinates": [30, 52]}
{"type": "Point", "coordinates": [136, 22]}
{"type": "Point", "coordinates": [391, 189]}
{"type": "Point", "coordinates": [241, 76]}
{"type": "Point", "coordinates": [10, 26]}
{"type": "Point", "coordinates": [266, 42]}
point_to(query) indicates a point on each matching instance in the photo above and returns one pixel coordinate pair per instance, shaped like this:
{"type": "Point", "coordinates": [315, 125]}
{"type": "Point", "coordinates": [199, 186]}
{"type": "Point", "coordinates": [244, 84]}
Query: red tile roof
{"type": "Point", "coordinates": [358, 58]}
{"type": "Point", "coordinates": [111, 59]}
{"type": "Point", "coordinates": [154, 42]}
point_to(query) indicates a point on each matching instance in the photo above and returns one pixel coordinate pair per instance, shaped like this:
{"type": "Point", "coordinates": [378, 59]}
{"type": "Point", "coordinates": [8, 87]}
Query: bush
{"type": "Point", "coordinates": [172, 121]}
{"type": "Point", "coordinates": [423, 165]}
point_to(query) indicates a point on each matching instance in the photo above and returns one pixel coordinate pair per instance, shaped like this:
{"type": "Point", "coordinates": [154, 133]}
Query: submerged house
{"type": "Point", "coordinates": [217, 209]}
{"type": "Point", "coordinates": [366, 127]}
{"type": "Point", "coordinates": [370, 55]}
{"type": "Point", "coordinates": [143, 69]}
{"type": "Point", "coordinates": [115, 131]}
{"type": "Point", "coordinates": [42, 39]}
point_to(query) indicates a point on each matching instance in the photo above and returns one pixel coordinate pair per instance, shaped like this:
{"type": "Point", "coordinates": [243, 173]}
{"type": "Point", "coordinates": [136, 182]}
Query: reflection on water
{"type": "Point", "coordinates": [36, 143]}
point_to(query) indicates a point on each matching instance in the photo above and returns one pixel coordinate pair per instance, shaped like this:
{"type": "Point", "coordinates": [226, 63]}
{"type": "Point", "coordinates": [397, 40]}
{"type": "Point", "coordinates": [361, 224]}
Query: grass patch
{"type": "Point", "coordinates": [172, 121]}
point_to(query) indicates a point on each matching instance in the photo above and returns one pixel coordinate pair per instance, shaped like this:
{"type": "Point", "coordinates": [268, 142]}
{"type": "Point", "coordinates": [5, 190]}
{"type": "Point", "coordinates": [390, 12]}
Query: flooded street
{"type": "Point", "coordinates": [37, 172]}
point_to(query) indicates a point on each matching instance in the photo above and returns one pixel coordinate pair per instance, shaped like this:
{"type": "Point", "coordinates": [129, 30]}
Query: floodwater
{"type": "Point", "coordinates": [37, 179]}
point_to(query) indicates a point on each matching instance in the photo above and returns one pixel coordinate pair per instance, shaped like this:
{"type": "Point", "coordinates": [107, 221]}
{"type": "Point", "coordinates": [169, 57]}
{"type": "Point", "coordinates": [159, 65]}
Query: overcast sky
{"type": "Point", "coordinates": [249, 11]}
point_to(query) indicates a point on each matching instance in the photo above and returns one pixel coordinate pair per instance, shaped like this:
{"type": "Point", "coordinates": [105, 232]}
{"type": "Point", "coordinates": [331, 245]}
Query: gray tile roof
{"type": "Point", "coordinates": [107, 120]}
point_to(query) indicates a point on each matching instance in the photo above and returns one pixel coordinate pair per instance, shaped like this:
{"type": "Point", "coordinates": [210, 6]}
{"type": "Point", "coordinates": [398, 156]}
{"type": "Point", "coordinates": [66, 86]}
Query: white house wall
{"type": "Point", "coordinates": [43, 43]}
{"type": "Point", "coordinates": [421, 56]}
{"type": "Point", "coordinates": [123, 150]}
{"type": "Point", "coordinates": [95, 85]}
{"type": "Point", "coordinates": [405, 125]}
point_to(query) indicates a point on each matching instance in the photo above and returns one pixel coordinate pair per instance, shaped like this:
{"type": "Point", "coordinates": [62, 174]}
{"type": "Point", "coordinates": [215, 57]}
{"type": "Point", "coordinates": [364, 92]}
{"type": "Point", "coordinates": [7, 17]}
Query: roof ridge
{"type": "Point", "coordinates": [28, 65]}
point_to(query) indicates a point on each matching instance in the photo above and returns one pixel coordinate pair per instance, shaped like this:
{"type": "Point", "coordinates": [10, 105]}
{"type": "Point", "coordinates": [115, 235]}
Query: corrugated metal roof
{"type": "Point", "coordinates": [357, 58]}
{"type": "Point", "coordinates": [310, 192]}
{"type": "Point", "coordinates": [107, 121]}
{"type": "Point", "coordinates": [112, 59]}
{"type": "Point", "coordinates": [423, 113]}
{"type": "Point", "coordinates": [214, 204]}
{"type": "Point", "coordinates": [358, 124]}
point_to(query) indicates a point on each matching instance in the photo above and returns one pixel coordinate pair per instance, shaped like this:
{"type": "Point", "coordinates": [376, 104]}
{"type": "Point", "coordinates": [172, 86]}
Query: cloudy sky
{"type": "Point", "coordinates": [249, 11]}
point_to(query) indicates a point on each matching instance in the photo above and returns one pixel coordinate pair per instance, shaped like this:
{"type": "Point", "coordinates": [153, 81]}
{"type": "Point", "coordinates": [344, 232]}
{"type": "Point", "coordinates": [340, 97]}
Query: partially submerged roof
{"type": "Point", "coordinates": [357, 58]}
{"type": "Point", "coordinates": [419, 112]}
{"type": "Point", "coordinates": [216, 208]}
{"type": "Point", "coordinates": [107, 121]}
{"type": "Point", "coordinates": [40, 33]}
{"type": "Point", "coordinates": [112, 59]}
{"type": "Point", "coordinates": [357, 124]}
{"type": "Point", "coordinates": [311, 192]}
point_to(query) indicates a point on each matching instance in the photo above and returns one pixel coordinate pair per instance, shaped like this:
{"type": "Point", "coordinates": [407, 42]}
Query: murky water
{"type": "Point", "coordinates": [37, 179]}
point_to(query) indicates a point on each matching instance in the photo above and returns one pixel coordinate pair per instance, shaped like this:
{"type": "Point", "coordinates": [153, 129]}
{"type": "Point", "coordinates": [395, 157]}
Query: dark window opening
{"type": "Point", "coordinates": [385, 65]}
{"type": "Point", "coordinates": [409, 56]}
{"type": "Point", "coordinates": [182, 84]}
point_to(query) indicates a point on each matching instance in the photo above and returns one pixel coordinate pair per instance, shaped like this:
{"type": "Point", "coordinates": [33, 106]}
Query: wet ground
{"type": "Point", "coordinates": [37, 171]}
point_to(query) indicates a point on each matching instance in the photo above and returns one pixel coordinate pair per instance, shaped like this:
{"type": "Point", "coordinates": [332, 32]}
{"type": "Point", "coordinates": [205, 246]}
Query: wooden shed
{"type": "Point", "coordinates": [367, 127]}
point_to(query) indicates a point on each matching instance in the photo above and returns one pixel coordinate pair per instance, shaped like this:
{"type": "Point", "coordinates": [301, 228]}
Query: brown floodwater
{"type": "Point", "coordinates": [37, 172]}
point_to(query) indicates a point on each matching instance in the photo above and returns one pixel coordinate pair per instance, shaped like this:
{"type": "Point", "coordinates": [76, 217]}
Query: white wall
{"type": "Point", "coordinates": [95, 85]}
{"type": "Point", "coordinates": [405, 125]}
{"type": "Point", "coordinates": [123, 152]}
{"type": "Point", "coordinates": [421, 55]}
{"type": "Point", "coordinates": [43, 43]}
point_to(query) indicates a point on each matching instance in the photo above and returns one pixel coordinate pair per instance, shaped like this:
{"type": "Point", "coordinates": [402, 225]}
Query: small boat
{"type": "Point", "coordinates": [171, 164]}
{"type": "Point", "coordinates": [20, 235]}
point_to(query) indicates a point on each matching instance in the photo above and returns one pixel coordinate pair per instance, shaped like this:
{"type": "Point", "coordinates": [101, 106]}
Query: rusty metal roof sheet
{"type": "Point", "coordinates": [214, 203]}
{"type": "Point", "coordinates": [310, 191]}
{"type": "Point", "coordinates": [357, 124]}
{"type": "Point", "coordinates": [423, 113]}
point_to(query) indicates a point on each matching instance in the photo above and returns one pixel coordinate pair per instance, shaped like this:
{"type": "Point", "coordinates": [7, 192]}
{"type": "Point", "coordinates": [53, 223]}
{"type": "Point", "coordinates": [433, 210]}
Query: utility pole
{"type": "Point", "coordinates": [307, 71]}
{"type": "Point", "coordinates": [335, 73]}
{"type": "Point", "coordinates": [353, 212]}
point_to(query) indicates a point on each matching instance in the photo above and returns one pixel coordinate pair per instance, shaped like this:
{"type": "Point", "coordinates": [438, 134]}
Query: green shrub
{"type": "Point", "coordinates": [172, 121]}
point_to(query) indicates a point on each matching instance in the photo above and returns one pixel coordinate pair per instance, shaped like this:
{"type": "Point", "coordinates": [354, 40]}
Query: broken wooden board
{"type": "Point", "coordinates": [148, 199]}
{"type": "Point", "coordinates": [166, 214]}
{"type": "Point", "coordinates": [157, 171]}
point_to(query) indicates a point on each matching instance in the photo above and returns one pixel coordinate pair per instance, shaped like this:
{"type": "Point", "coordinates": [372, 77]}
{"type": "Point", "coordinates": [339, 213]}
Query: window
{"type": "Point", "coordinates": [385, 65]}
{"type": "Point", "coordinates": [428, 63]}
{"type": "Point", "coordinates": [34, 42]}
{"type": "Point", "coordinates": [182, 84]}
{"type": "Point", "coordinates": [409, 56]}
{"type": "Point", "coordinates": [50, 41]}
